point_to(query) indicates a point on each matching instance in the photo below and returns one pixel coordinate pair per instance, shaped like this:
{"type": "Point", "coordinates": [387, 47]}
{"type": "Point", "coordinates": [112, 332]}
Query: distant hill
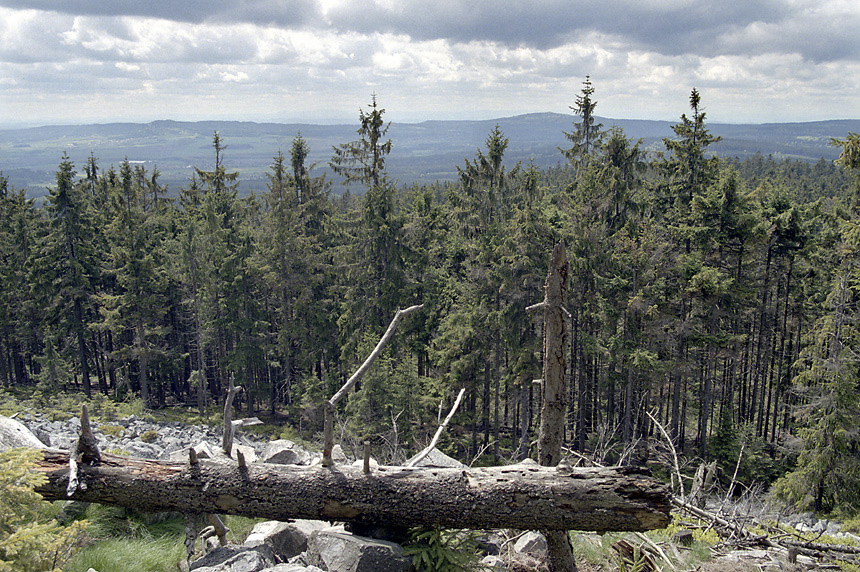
{"type": "Point", "coordinates": [423, 152]}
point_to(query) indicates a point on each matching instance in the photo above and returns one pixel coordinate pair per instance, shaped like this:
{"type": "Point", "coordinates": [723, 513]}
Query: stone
{"type": "Point", "coordinates": [284, 452]}
{"type": "Point", "coordinates": [436, 458]}
{"type": "Point", "coordinates": [343, 552]}
{"type": "Point", "coordinates": [15, 434]}
{"type": "Point", "coordinates": [819, 527]}
{"type": "Point", "coordinates": [532, 543]}
{"type": "Point", "coordinates": [143, 450]}
{"type": "Point", "coordinates": [490, 544]}
{"type": "Point", "coordinates": [233, 558]}
{"type": "Point", "coordinates": [493, 562]}
{"type": "Point", "coordinates": [248, 452]}
{"type": "Point", "coordinates": [292, 568]}
{"type": "Point", "coordinates": [833, 527]}
{"type": "Point", "coordinates": [338, 456]}
{"type": "Point", "coordinates": [286, 539]}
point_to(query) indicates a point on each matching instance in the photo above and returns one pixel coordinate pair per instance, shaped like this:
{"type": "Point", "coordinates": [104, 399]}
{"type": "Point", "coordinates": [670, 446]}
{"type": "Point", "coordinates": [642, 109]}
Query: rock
{"type": "Point", "coordinates": [233, 558]}
{"type": "Point", "coordinates": [144, 450]}
{"type": "Point", "coordinates": [248, 452]}
{"type": "Point", "coordinates": [338, 456]}
{"type": "Point", "coordinates": [292, 568]}
{"type": "Point", "coordinates": [437, 458]}
{"type": "Point", "coordinates": [490, 544]}
{"type": "Point", "coordinates": [360, 463]}
{"type": "Point", "coordinates": [532, 543]}
{"type": "Point", "coordinates": [15, 434]}
{"type": "Point", "coordinates": [286, 539]}
{"type": "Point", "coordinates": [344, 552]}
{"type": "Point", "coordinates": [832, 528]}
{"type": "Point", "coordinates": [493, 562]}
{"type": "Point", "coordinates": [203, 450]}
{"type": "Point", "coordinates": [819, 527]}
{"type": "Point", "coordinates": [284, 452]}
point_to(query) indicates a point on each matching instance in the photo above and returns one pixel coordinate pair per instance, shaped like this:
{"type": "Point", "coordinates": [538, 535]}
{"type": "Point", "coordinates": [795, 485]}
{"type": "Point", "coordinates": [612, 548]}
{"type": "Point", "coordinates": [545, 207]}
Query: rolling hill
{"type": "Point", "coordinates": [423, 152]}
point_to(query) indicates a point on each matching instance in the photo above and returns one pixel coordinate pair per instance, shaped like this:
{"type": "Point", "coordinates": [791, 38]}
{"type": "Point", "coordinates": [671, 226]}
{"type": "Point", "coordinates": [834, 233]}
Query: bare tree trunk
{"type": "Point", "coordinates": [516, 496]}
{"type": "Point", "coordinates": [554, 394]}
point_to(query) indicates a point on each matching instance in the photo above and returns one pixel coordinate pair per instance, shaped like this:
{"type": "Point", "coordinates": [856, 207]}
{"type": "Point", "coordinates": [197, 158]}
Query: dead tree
{"type": "Point", "coordinates": [524, 496]}
{"type": "Point", "coordinates": [554, 393]}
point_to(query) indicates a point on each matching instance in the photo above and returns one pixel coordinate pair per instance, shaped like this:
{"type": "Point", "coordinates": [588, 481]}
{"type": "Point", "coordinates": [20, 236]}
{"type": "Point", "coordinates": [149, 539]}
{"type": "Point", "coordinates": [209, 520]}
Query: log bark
{"type": "Point", "coordinates": [517, 496]}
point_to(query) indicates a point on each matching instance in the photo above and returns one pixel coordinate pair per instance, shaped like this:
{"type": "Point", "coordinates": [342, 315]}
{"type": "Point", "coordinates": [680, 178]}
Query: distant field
{"type": "Point", "coordinates": [423, 152]}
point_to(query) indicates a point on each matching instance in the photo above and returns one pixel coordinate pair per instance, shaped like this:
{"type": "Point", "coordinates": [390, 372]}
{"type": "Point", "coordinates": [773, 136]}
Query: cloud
{"type": "Point", "coordinates": [265, 12]}
{"type": "Point", "coordinates": [445, 58]}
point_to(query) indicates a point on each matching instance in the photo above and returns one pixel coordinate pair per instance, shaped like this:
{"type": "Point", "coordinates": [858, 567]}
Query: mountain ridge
{"type": "Point", "coordinates": [423, 152]}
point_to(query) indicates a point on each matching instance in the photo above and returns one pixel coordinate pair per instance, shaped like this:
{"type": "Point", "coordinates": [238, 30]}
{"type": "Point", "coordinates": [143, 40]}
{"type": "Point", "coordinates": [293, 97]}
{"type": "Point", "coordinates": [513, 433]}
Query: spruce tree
{"type": "Point", "coordinates": [588, 136]}
{"type": "Point", "coordinates": [66, 268]}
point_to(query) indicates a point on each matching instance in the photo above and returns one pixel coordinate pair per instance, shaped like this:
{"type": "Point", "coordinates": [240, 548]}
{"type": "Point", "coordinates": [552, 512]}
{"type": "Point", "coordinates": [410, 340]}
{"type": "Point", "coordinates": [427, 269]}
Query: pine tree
{"type": "Point", "coordinates": [66, 268]}
{"type": "Point", "coordinates": [139, 303]}
{"type": "Point", "coordinates": [363, 161]}
{"type": "Point", "coordinates": [588, 136]}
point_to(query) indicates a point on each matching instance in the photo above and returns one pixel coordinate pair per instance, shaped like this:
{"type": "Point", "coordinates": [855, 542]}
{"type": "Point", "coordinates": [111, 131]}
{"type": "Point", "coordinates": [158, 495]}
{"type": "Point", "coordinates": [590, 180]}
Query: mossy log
{"type": "Point", "coordinates": [523, 496]}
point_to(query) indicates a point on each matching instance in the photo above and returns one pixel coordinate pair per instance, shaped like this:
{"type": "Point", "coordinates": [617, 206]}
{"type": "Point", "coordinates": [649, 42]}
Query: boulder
{"type": "Point", "coordinates": [233, 558]}
{"type": "Point", "coordinates": [532, 543]}
{"type": "Point", "coordinates": [284, 452]}
{"type": "Point", "coordinates": [143, 450]}
{"type": "Point", "coordinates": [343, 552]}
{"type": "Point", "coordinates": [286, 539]}
{"type": "Point", "coordinates": [493, 562]}
{"type": "Point", "coordinates": [338, 456]}
{"type": "Point", "coordinates": [15, 434]}
{"type": "Point", "coordinates": [437, 458]}
{"type": "Point", "coordinates": [292, 568]}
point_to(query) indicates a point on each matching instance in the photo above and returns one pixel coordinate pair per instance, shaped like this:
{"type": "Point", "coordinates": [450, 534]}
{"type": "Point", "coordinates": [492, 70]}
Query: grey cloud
{"type": "Point", "coordinates": [668, 27]}
{"type": "Point", "coordinates": [275, 12]}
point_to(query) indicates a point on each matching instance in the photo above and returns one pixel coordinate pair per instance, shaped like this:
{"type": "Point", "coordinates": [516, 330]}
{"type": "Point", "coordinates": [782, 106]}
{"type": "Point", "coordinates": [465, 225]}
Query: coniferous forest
{"type": "Point", "coordinates": [719, 296]}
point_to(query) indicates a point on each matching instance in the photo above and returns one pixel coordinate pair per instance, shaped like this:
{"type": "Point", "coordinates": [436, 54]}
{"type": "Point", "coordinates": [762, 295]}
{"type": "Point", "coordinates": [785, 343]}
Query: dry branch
{"type": "Point", "coordinates": [426, 451]}
{"type": "Point", "coordinates": [329, 408]}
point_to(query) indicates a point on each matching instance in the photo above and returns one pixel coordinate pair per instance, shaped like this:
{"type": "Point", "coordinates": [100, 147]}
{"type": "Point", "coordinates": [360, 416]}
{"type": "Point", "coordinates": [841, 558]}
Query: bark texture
{"type": "Point", "coordinates": [554, 394]}
{"type": "Point", "coordinates": [517, 496]}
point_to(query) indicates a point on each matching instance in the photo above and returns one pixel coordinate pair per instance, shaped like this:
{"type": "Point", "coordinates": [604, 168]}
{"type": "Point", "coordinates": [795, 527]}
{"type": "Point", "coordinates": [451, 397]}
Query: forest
{"type": "Point", "coordinates": [716, 295]}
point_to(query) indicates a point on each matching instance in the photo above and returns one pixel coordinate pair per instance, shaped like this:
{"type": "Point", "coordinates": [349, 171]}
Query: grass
{"type": "Point", "coordinates": [125, 541]}
{"type": "Point", "coordinates": [130, 555]}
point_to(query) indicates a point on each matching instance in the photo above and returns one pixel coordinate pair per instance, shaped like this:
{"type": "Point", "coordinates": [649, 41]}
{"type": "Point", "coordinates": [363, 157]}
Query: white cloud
{"type": "Point", "coordinates": [430, 59]}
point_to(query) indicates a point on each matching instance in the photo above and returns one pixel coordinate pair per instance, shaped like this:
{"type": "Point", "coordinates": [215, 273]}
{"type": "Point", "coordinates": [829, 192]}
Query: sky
{"type": "Point", "coordinates": [319, 61]}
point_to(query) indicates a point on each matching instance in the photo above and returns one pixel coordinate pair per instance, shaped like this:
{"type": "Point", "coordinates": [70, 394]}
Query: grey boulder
{"type": "Point", "coordinates": [336, 551]}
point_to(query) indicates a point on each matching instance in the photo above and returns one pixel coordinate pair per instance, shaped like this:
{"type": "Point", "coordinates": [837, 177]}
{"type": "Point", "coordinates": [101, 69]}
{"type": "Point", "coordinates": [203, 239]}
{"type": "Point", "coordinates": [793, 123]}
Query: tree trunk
{"type": "Point", "coordinates": [554, 394]}
{"type": "Point", "coordinates": [517, 496]}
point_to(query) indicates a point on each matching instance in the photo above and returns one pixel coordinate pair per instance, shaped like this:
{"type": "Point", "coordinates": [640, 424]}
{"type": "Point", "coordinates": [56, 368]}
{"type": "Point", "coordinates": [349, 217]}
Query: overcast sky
{"type": "Point", "coordinates": [754, 61]}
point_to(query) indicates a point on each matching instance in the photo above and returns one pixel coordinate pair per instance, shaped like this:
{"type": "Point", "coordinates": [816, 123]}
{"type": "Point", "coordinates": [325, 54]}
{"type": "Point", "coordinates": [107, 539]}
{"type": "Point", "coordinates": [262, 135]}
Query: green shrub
{"type": "Point", "coordinates": [149, 436]}
{"type": "Point", "coordinates": [434, 549]}
{"type": "Point", "coordinates": [112, 430]}
{"type": "Point", "coordinates": [29, 540]}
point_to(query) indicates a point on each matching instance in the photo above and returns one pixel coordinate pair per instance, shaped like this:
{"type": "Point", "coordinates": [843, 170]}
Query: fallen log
{"type": "Point", "coordinates": [524, 496]}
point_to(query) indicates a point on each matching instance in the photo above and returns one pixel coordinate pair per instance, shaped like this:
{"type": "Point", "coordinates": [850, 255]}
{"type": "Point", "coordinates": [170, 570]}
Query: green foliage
{"type": "Point", "coordinates": [29, 542]}
{"type": "Point", "coordinates": [435, 549]}
{"type": "Point", "coordinates": [112, 430]}
{"type": "Point", "coordinates": [149, 436]}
